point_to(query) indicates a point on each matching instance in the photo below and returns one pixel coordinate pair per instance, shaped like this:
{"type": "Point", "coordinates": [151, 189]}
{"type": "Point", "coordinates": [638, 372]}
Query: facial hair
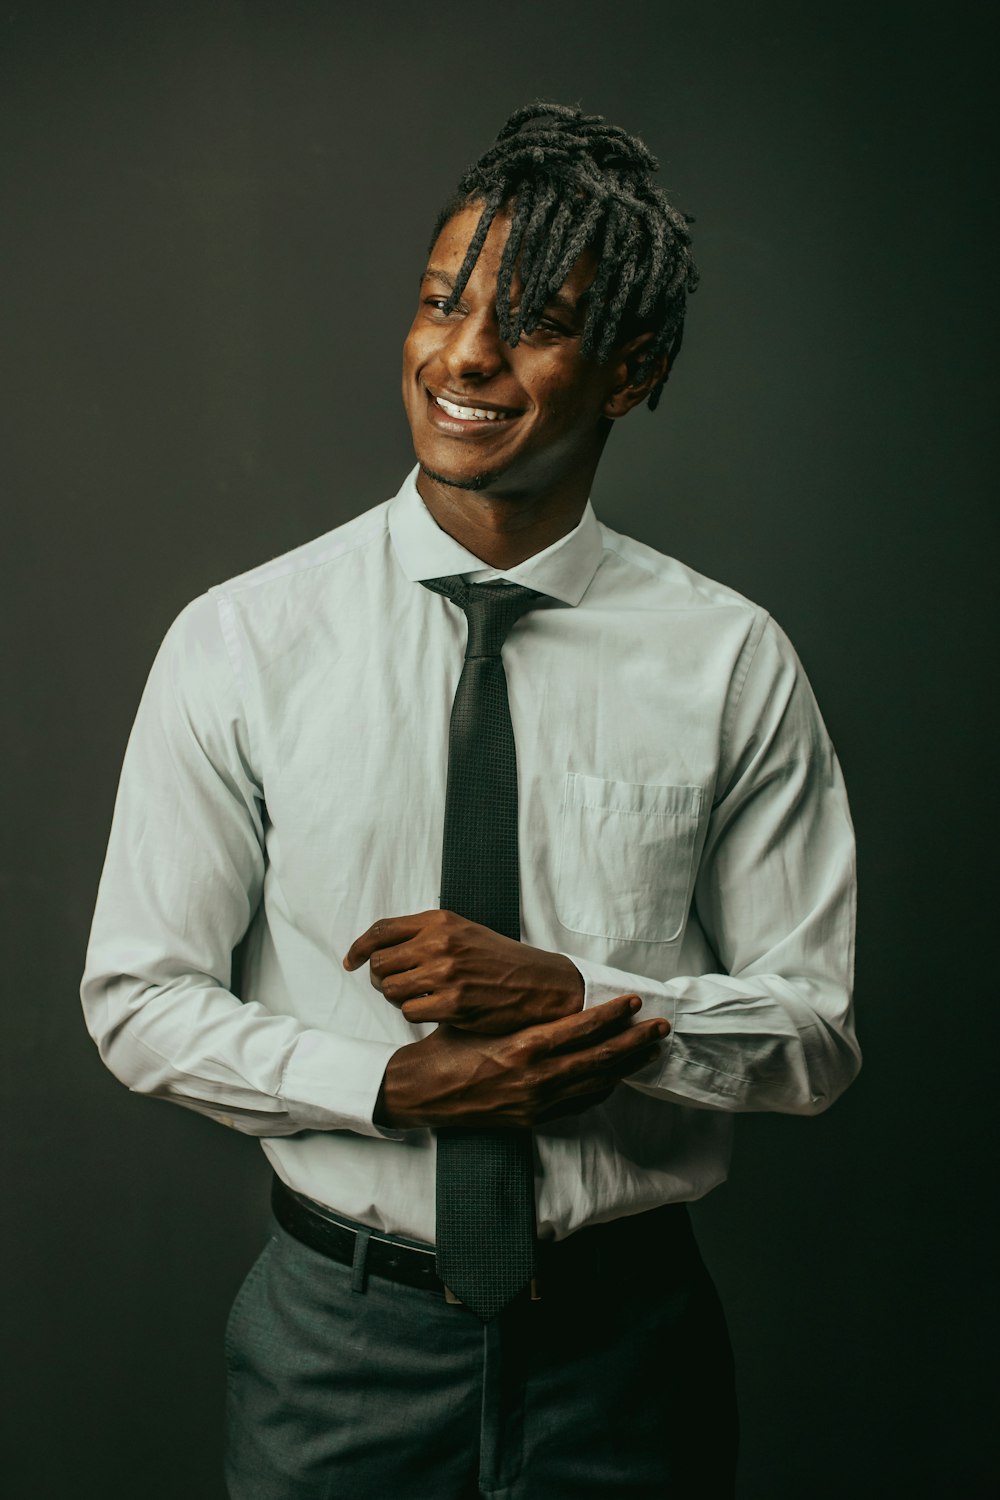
{"type": "Point", "coordinates": [477, 482]}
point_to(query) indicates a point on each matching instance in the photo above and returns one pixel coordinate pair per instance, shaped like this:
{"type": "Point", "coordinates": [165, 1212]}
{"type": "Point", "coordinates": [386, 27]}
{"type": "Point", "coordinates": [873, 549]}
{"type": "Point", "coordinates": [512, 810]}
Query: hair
{"type": "Point", "coordinates": [570, 182]}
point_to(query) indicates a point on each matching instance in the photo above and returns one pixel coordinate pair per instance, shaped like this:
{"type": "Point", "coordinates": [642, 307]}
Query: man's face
{"type": "Point", "coordinates": [510, 422]}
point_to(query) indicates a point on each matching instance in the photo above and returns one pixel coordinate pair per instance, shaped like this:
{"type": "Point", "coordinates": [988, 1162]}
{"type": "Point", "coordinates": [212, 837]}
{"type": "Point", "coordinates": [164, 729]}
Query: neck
{"type": "Point", "coordinates": [502, 530]}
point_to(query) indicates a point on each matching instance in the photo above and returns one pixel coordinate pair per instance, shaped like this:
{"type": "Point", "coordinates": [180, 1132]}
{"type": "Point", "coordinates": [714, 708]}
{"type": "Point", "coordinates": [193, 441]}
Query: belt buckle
{"type": "Point", "coordinates": [534, 1294]}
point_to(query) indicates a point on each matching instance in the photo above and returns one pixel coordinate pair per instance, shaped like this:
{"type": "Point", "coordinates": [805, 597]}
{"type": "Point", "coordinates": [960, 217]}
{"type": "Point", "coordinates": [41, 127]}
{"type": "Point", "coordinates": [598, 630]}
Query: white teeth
{"type": "Point", "coordinates": [467, 413]}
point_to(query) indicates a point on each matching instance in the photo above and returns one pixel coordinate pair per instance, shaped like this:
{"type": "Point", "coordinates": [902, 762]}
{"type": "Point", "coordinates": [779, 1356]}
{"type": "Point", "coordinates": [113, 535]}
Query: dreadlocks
{"type": "Point", "coordinates": [569, 182]}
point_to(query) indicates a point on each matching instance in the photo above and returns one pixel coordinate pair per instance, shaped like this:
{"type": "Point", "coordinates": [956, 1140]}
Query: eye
{"type": "Point", "coordinates": [547, 325]}
{"type": "Point", "coordinates": [546, 331]}
{"type": "Point", "coordinates": [434, 309]}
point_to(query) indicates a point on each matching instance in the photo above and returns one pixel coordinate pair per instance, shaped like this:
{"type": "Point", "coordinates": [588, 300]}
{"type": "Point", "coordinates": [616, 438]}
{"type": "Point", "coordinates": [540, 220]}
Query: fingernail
{"type": "Point", "coordinates": [634, 1003]}
{"type": "Point", "coordinates": [662, 1028]}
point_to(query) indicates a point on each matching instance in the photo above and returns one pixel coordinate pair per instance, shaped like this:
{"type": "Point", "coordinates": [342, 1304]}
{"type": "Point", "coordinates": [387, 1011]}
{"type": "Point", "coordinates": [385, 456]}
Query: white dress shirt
{"type": "Point", "coordinates": [683, 834]}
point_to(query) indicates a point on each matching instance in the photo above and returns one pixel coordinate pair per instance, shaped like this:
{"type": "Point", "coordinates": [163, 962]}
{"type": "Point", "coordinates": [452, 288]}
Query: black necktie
{"type": "Point", "coordinates": [485, 1178]}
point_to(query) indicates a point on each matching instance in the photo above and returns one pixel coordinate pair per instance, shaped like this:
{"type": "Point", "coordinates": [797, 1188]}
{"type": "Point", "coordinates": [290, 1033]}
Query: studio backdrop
{"type": "Point", "coordinates": [214, 220]}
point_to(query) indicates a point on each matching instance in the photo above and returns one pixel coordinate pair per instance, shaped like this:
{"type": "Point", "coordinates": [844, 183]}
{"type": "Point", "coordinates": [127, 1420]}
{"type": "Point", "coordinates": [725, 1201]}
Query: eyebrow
{"type": "Point", "coordinates": [557, 300]}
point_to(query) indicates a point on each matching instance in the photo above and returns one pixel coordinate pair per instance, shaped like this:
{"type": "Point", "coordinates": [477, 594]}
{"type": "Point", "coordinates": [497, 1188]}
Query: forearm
{"type": "Point", "coordinates": [192, 1042]}
{"type": "Point", "coordinates": [765, 1042]}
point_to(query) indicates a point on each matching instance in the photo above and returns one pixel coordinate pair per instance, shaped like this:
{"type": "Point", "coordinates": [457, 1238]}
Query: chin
{"type": "Point", "coordinates": [462, 481]}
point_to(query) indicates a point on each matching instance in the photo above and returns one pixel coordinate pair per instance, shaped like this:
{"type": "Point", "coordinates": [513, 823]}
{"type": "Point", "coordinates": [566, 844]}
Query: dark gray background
{"type": "Point", "coordinates": [213, 220]}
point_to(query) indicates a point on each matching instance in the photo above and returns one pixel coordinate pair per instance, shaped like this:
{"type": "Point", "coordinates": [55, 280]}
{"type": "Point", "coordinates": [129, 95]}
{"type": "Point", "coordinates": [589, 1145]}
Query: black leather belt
{"type": "Point", "coordinates": [660, 1235]}
{"type": "Point", "coordinates": [308, 1223]}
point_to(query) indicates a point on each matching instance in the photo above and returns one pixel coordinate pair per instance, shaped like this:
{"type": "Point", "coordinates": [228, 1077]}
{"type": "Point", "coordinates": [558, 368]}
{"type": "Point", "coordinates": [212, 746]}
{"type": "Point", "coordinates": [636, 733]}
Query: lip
{"type": "Point", "coordinates": [468, 427]}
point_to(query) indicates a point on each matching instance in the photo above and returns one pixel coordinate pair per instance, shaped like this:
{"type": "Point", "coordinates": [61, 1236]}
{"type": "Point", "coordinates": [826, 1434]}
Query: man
{"type": "Point", "coordinates": [543, 870]}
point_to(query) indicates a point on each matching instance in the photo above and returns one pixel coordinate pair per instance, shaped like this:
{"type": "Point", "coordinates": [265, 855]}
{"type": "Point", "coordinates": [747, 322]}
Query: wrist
{"type": "Point", "coordinates": [571, 991]}
{"type": "Point", "coordinates": [390, 1105]}
{"type": "Point", "coordinates": [380, 1114]}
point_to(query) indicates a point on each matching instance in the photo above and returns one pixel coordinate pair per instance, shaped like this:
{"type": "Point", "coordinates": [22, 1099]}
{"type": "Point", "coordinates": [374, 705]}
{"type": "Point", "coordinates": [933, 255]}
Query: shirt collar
{"type": "Point", "coordinates": [564, 570]}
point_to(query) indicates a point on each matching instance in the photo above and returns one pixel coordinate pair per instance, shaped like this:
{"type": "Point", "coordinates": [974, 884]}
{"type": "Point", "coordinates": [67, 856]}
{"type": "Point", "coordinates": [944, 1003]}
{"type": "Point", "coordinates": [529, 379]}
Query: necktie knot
{"type": "Point", "coordinates": [492, 609]}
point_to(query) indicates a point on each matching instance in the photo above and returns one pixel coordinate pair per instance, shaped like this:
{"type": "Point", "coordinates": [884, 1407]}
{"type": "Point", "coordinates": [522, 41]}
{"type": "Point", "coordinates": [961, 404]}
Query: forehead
{"type": "Point", "coordinates": [449, 249]}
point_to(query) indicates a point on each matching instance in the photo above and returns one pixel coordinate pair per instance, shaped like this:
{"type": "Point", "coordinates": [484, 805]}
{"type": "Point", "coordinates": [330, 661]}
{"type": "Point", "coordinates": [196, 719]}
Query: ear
{"type": "Point", "coordinates": [629, 383]}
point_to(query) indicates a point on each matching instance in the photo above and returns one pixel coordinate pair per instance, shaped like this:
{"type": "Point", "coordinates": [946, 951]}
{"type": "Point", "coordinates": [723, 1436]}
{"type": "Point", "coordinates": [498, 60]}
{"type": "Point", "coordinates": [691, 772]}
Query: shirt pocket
{"type": "Point", "coordinates": [626, 855]}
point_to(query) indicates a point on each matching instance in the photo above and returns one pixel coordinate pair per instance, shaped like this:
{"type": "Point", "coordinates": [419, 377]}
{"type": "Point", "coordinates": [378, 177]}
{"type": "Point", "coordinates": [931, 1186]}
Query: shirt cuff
{"type": "Point", "coordinates": [333, 1082]}
{"type": "Point", "coordinates": [602, 983]}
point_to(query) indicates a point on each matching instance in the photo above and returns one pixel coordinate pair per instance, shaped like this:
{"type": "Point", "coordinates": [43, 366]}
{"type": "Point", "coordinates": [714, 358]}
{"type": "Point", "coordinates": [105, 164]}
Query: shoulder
{"type": "Point", "coordinates": [270, 603]}
{"type": "Point", "coordinates": [637, 576]}
{"type": "Point", "coordinates": [664, 579]}
{"type": "Point", "coordinates": [721, 625]}
{"type": "Point", "coordinates": [333, 550]}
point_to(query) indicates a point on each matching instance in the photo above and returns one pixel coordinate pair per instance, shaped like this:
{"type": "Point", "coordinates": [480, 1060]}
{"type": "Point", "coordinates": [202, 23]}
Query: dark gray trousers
{"type": "Point", "coordinates": [619, 1382]}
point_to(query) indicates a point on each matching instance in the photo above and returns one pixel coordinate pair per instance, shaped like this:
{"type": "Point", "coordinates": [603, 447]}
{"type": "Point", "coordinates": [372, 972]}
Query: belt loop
{"type": "Point", "coordinates": [358, 1277]}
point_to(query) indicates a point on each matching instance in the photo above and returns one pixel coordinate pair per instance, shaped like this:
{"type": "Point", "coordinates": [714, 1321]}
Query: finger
{"type": "Point", "coordinates": [382, 934]}
{"type": "Point", "coordinates": [572, 1032]}
{"type": "Point", "coordinates": [400, 958]}
{"type": "Point", "coordinates": [396, 972]}
{"type": "Point", "coordinates": [611, 1056]}
{"type": "Point", "coordinates": [415, 988]}
{"type": "Point", "coordinates": [573, 1094]}
{"type": "Point", "coordinates": [425, 1007]}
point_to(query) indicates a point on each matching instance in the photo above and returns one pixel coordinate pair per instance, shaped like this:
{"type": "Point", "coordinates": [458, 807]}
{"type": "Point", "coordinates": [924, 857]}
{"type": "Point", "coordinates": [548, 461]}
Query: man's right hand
{"type": "Point", "coordinates": [524, 1078]}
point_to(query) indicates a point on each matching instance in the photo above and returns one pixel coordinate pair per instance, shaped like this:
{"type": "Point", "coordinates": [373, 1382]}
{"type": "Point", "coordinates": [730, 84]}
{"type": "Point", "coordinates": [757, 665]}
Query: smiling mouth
{"type": "Point", "coordinates": [464, 412]}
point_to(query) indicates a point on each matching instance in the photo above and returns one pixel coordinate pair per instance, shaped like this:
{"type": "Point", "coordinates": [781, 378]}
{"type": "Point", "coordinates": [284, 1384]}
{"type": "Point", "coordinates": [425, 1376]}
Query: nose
{"type": "Point", "coordinates": [475, 350]}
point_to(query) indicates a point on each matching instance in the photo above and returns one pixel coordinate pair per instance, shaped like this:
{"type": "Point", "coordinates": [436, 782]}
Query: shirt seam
{"type": "Point", "coordinates": [749, 655]}
{"type": "Point", "coordinates": [716, 1072]}
{"type": "Point", "coordinates": [735, 600]}
{"type": "Point", "coordinates": [739, 1078]}
{"type": "Point", "coordinates": [641, 812]}
{"type": "Point", "coordinates": [244, 584]}
{"type": "Point", "coordinates": [165, 1057]}
{"type": "Point", "coordinates": [761, 623]}
{"type": "Point", "coordinates": [226, 617]}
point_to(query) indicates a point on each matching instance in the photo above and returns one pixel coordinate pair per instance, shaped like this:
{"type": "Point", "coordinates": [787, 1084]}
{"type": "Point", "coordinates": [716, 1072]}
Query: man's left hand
{"type": "Point", "coordinates": [437, 966]}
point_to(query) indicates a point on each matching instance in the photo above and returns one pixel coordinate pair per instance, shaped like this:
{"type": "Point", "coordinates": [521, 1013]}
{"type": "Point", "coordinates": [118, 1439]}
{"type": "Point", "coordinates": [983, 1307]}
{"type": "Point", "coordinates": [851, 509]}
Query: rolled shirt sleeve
{"type": "Point", "coordinates": [775, 897]}
{"type": "Point", "coordinates": [182, 880]}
